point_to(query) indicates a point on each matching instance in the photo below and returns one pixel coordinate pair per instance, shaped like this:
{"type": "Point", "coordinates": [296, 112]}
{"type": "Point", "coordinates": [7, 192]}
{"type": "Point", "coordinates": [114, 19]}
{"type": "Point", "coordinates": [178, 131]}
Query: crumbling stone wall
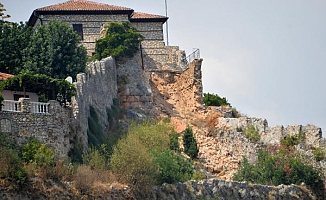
{"type": "Point", "coordinates": [51, 128]}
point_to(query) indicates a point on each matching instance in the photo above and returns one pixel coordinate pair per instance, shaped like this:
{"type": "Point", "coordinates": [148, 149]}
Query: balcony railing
{"type": "Point", "coordinates": [37, 107]}
{"type": "Point", "coordinates": [12, 106]}
{"type": "Point", "coordinates": [15, 106]}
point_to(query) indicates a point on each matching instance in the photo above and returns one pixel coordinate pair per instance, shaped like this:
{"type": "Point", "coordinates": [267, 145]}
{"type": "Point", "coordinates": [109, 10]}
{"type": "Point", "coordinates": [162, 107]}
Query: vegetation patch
{"type": "Point", "coordinates": [120, 40]}
{"type": "Point", "coordinates": [279, 166]}
{"type": "Point", "coordinates": [214, 100]}
{"type": "Point", "coordinates": [190, 143]}
{"type": "Point", "coordinates": [251, 132]}
{"type": "Point", "coordinates": [291, 140]}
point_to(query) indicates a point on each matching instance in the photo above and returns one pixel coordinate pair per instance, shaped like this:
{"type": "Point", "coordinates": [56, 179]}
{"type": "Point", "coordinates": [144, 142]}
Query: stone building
{"type": "Point", "coordinates": [87, 18]}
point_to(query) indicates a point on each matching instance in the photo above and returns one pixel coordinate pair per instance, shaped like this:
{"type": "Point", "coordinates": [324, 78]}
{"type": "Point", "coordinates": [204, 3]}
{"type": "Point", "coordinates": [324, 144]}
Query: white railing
{"type": "Point", "coordinates": [12, 106]}
{"type": "Point", "coordinates": [37, 107]}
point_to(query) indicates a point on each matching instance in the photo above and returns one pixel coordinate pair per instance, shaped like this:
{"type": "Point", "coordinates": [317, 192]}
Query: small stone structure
{"type": "Point", "coordinates": [51, 127]}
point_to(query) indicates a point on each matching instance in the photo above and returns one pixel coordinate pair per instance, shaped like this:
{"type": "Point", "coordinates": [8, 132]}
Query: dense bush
{"type": "Point", "coordinates": [133, 164]}
{"type": "Point", "coordinates": [172, 167]}
{"type": "Point", "coordinates": [190, 144]}
{"type": "Point", "coordinates": [36, 152]}
{"type": "Point", "coordinates": [174, 141]}
{"type": "Point", "coordinates": [214, 100]}
{"type": "Point", "coordinates": [279, 167]}
{"type": "Point", "coordinates": [11, 167]}
{"type": "Point", "coordinates": [143, 158]}
{"type": "Point", "coordinates": [121, 39]}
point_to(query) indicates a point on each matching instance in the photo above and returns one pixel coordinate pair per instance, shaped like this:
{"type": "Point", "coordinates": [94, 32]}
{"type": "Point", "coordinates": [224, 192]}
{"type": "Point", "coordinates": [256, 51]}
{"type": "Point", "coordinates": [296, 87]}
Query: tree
{"type": "Point", "coordinates": [54, 50]}
{"type": "Point", "coordinates": [121, 39]}
{"type": "Point", "coordinates": [214, 100]}
{"type": "Point", "coordinates": [2, 14]}
{"type": "Point", "coordinates": [14, 38]}
{"type": "Point", "coordinates": [190, 144]}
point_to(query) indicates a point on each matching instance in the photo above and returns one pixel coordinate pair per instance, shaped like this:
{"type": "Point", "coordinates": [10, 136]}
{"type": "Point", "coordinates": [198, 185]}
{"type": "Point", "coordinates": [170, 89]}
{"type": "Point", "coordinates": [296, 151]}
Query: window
{"type": "Point", "coordinates": [79, 29]}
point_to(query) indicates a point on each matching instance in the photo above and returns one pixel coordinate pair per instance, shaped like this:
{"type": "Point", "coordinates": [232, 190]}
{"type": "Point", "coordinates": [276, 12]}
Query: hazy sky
{"type": "Point", "coordinates": [267, 57]}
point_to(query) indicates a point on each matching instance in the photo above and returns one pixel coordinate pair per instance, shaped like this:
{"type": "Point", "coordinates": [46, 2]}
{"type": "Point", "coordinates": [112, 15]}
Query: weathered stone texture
{"type": "Point", "coordinates": [97, 88]}
{"type": "Point", "coordinates": [51, 128]}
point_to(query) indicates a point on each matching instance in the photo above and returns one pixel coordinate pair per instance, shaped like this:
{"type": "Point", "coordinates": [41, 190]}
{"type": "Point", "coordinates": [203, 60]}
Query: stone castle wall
{"type": "Point", "coordinates": [97, 88]}
{"type": "Point", "coordinates": [51, 128]}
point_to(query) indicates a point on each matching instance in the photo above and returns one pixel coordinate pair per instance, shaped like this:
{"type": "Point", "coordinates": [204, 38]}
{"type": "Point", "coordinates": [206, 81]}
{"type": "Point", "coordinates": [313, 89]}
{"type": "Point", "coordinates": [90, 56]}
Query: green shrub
{"type": "Point", "coordinates": [11, 167]}
{"type": "Point", "coordinates": [174, 141]}
{"type": "Point", "coordinates": [36, 152]}
{"type": "Point", "coordinates": [198, 175]}
{"type": "Point", "coordinates": [291, 140]}
{"type": "Point", "coordinates": [214, 100]}
{"type": "Point", "coordinates": [278, 168]}
{"type": "Point", "coordinates": [252, 134]}
{"type": "Point", "coordinates": [190, 144]}
{"type": "Point", "coordinates": [133, 164]}
{"type": "Point", "coordinates": [173, 168]}
{"type": "Point", "coordinates": [95, 159]}
{"type": "Point", "coordinates": [120, 40]}
{"type": "Point", "coordinates": [319, 153]}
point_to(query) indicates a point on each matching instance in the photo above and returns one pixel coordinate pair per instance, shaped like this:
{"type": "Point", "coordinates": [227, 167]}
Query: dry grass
{"type": "Point", "coordinates": [86, 178]}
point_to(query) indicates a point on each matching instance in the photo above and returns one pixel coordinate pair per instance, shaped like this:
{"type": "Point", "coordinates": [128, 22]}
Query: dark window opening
{"type": "Point", "coordinates": [17, 96]}
{"type": "Point", "coordinates": [79, 30]}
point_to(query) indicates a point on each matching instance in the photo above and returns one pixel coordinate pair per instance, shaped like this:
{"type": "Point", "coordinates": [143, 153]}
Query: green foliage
{"type": "Point", "coordinates": [319, 154]}
{"type": "Point", "coordinates": [14, 38]}
{"type": "Point", "coordinates": [280, 167]}
{"type": "Point", "coordinates": [95, 131]}
{"type": "Point", "coordinates": [173, 168]}
{"type": "Point", "coordinates": [95, 159]}
{"type": "Point", "coordinates": [48, 88]}
{"type": "Point", "coordinates": [198, 175]}
{"type": "Point", "coordinates": [190, 144]}
{"type": "Point", "coordinates": [291, 140]}
{"type": "Point", "coordinates": [252, 134]}
{"type": "Point", "coordinates": [214, 100]}
{"type": "Point", "coordinates": [174, 141]}
{"type": "Point", "coordinates": [11, 167]}
{"type": "Point", "coordinates": [54, 50]}
{"type": "Point", "coordinates": [152, 135]}
{"type": "Point", "coordinates": [37, 153]}
{"type": "Point", "coordinates": [121, 40]}
{"type": "Point", "coordinates": [133, 164]}
{"type": "Point", "coordinates": [143, 157]}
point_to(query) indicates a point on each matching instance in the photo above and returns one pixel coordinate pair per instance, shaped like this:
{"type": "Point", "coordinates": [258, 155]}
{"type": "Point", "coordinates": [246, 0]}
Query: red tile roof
{"type": "Point", "coordinates": [139, 15]}
{"type": "Point", "coordinates": [4, 76]}
{"type": "Point", "coordinates": [82, 5]}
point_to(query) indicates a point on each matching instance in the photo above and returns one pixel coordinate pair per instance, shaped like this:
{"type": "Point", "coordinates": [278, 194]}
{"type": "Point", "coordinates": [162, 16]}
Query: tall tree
{"type": "Point", "coordinates": [14, 38]}
{"type": "Point", "coordinates": [54, 50]}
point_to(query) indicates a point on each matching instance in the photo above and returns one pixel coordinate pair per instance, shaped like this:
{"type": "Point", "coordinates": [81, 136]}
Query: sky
{"type": "Point", "coordinates": [267, 57]}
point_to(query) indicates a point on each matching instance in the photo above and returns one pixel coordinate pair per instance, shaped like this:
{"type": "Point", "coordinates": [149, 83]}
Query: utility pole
{"type": "Point", "coordinates": [167, 26]}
